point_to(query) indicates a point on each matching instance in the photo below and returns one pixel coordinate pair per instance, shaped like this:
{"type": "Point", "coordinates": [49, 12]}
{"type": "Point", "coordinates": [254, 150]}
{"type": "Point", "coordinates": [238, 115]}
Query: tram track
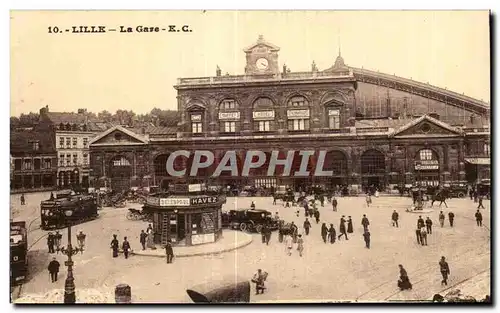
{"type": "Point", "coordinates": [417, 271]}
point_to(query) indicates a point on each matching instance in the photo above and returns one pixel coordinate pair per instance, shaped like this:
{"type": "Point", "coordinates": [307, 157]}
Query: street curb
{"type": "Point", "coordinates": [242, 244]}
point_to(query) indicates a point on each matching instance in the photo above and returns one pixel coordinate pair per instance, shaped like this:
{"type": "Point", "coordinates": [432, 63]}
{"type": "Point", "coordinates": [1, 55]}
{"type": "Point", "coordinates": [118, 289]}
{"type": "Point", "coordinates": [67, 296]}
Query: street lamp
{"type": "Point", "coordinates": [69, 285]}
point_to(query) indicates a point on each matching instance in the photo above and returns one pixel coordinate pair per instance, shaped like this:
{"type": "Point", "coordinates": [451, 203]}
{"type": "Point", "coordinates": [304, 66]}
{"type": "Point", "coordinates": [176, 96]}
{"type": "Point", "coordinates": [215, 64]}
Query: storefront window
{"type": "Point", "coordinates": [202, 223]}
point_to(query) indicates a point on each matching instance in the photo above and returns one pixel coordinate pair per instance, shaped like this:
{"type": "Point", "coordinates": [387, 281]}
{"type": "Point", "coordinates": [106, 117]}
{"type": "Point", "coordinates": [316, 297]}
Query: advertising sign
{"type": "Point", "coordinates": [296, 114]}
{"type": "Point", "coordinates": [229, 115]}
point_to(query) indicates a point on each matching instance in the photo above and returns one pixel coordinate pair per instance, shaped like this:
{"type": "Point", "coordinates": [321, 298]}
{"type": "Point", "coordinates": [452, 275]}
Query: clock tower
{"type": "Point", "coordinates": [262, 58]}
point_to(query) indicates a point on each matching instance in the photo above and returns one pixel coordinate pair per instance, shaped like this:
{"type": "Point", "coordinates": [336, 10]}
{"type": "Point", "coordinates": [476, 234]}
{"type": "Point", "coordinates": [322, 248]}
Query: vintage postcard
{"type": "Point", "coordinates": [250, 156]}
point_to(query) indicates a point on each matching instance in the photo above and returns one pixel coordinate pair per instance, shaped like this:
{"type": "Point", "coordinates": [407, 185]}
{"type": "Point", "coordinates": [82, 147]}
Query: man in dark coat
{"type": "Point", "coordinates": [268, 234]}
{"type": "Point", "coordinates": [420, 222]}
{"type": "Point", "coordinates": [480, 199]}
{"type": "Point", "coordinates": [316, 216]}
{"type": "Point", "coordinates": [331, 234]}
{"type": "Point", "coordinates": [53, 269]}
{"type": "Point", "coordinates": [365, 222]}
{"type": "Point", "coordinates": [342, 229]}
{"type": "Point", "coordinates": [350, 228]}
{"type": "Point", "coordinates": [295, 232]}
{"type": "Point", "coordinates": [428, 225]}
{"type": "Point", "coordinates": [142, 239]}
{"type": "Point", "coordinates": [51, 242]}
{"type": "Point", "coordinates": [114, 245]}
{"type": "Point", "coordinates": [334, 204]}
{"type": "Point", "coordinates": [322, 200]}
{"type": "Point", "coordinates": [307, 226]}
{"type": "Point", "coordinates": [445, 270]}
{"type": "Point", "coordinates": [263, 233]}
{"type": "Point", "coordinates": [366, 237]}
{"type": "Point", "coordinates": [125, 247]}
{"type": "Point", "coordinates": [169, 251]}
{"type": "Point", "coordinates": [441, 218]}
{"type": "Point", "coordinates": [324, 232]}
{"type": "Point", "coordinates": [479, 218]}
{"type": "Point", "coordinates": [23, 199]}
{"type": "Point", "coordinates": [451, 217]}
{"type": "Point", "coordinates": [395, 218]}
{"type": "Point", "coordinates": [419, 236]}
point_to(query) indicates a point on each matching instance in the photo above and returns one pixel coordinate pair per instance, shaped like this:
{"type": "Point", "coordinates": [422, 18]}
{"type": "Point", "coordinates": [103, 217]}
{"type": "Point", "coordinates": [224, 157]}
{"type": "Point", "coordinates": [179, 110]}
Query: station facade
{"type": "Point", "coordinates": [377, 129]}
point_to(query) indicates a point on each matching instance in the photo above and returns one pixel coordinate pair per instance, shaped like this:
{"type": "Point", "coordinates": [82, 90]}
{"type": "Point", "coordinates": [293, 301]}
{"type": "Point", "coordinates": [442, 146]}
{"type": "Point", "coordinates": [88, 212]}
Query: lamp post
{"type": "Point", "coordinates": [69, 285]}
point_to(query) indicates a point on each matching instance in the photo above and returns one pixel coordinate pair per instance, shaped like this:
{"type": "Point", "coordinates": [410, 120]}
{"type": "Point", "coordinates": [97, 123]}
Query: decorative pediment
{"type": "Point", "coordinates": [118, 136]}
{"type": "Point", "coordinates": [261, 44]}
{"type": "Point", "coordinates": [195, 106]}
{"type": "Point", "coordinates": [426, 126]}
{"type": "Point", "coordinates": [333, 98]}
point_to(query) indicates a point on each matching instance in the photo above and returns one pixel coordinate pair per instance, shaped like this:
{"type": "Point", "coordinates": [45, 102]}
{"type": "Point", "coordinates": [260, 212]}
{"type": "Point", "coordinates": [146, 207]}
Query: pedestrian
{"type": "Point", "coordinates": [57, 241]}
{"type": "Point", "coordinates": [316, 216]}
{"type": "Point", "coordinates": [420, 222]}
{"type": "Point", "coordinates": [365, 222]}
{"type": "Point", "coordinates": [445, 270]}
{"type": "Point", "coordinates": [289, 244]}
{"type": "Point", "coordinates": [404, 280]}
{"type": "Point", "coordinates": [50, 242]}
{"type": "Point", "coordinates": [114, 245]}
{"type": "Point", "coordinates": [51, 196]}
{"type": "Point", "coordinates": [441, 218]}
{"type": "Point", "coordinates": [295, 231]}
{"type": "Point", "coordinates": [150, 238]}
{"type": "Point", "coordinates": [142, 239]}
{"type": "Point", "coordinates": [300, 245]}
{"type": "Point", "coordinates": [252, 206]}
{"type": "Point", "coordinates": [480, 199]}
{"type": "Point", "coordinates": [169, 251]}
{"type": "Point", "coordinates": [276, 216]}
{"type": "Point", "coordinates": [451, 217]}
{"type": "Point", "coordinates": [368, 199]}
{"type": "Point", "coordinates": [53, 269]}
{"type": "Point", "coordinates": [366, 237]}
{"type": "Point", "coordinates": [80, 238]}
{"type": "Point", "coordinates": [350, 228]}
{"type": "Point", "coordinates": [268, 235]}
{"type": "Point", "coordinates": [332, 234]}
{"type": "Point", "coordinates": [23, 199]}
{"type": "Point", "coordinates": [479, 218]}
{"type": "Point", "coordinates": [423, 235]}
{"type": "Point", "coordinates": [443, 200]}
{"type": "Point", "coordinates": [322, 200]}
{"type": "Point", "coordinates": [307, 226]}
{"type": "Point", "coordinates": [342, 229]}
{"type": "Point", "coordinates": [395, 218]}
{"type": "Point", "coordinates": [334, 204]}
{"type": "Point", "coordinates": [324, 232]}
{"type": "Point", "coordinates": [126, 247]}
{"type": "Point", "coordinates": [259, 278]}
{"type": "Point", "coordinates": [419, 236]}
{"type": "Point", "coordinates": [475, 194]}
{"type": "Point", "coordinates": [428, 225]}
{"type": "Point", "coordinates": [306, 209]}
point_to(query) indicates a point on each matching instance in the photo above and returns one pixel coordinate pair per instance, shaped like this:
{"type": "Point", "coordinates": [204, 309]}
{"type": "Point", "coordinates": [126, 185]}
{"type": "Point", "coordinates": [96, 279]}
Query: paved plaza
{"type": "Point", "coordinates": [345, 270]}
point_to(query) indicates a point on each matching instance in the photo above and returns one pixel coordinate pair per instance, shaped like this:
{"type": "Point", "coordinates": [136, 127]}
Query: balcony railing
{"type": "Point", "coordinates": [263, 77]}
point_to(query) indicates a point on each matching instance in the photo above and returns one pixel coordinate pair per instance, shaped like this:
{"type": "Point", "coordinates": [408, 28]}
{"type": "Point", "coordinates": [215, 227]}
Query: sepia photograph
{"type": "Point", "coordinates": [165, 157]}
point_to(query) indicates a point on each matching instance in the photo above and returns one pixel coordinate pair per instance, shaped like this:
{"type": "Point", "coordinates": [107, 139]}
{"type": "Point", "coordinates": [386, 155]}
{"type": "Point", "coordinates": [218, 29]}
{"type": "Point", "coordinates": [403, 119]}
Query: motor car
{"type": "Point", "coordinates": [249, 220]}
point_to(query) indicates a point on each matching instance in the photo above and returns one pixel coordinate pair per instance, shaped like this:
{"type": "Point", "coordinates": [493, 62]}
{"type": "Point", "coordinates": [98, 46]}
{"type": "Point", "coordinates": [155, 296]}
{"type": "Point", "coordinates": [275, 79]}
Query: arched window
{"type": "Point", "coordinates": [298, 114]}
{"type": "Point", "coordinates": [196, 115]}
{"type": "Point", "coordinates": [263, 115]}
{"type": "Point", "coordinates": [229, 116]}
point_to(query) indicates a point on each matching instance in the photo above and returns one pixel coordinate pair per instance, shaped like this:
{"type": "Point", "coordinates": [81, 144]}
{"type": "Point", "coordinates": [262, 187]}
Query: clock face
{"type": "Point", "coordinates": [262, 64]}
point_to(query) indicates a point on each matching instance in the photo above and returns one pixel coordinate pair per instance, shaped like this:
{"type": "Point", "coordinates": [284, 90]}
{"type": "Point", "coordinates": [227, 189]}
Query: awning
{"type": "Point", "coordinates": [478, 161]}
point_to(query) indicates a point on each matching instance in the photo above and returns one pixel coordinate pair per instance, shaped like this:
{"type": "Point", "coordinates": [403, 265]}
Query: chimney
{"type": "Point", "coordinates": [44, 111]}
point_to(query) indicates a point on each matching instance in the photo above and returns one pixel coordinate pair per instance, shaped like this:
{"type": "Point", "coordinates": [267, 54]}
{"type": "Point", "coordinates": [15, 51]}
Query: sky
{"type": "Point", "coordinates": [137, 71]}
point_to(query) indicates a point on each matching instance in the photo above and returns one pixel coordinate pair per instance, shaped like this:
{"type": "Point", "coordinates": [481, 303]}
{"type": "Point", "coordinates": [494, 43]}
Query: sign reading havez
{"type": "Point", "coordinates": [426, 165]}
{"type": "Point", "coordinates": [297, 113]}
{"type": "Point", "coordinates": [204, 200]}
{"type": "Point", "coordinates": [262, 115]}
{"type": "Point", "coordinates": [229, 115]}
{"type": "Point", "coordinates": [174, 202]}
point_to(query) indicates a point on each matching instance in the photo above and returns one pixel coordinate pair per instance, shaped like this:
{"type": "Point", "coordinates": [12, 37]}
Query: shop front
{"type": "Point", "coordinates": [185, 220]}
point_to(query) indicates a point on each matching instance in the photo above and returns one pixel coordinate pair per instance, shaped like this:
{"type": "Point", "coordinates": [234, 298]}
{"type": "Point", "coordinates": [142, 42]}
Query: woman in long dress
{"type": "Point", "coordinates": [350, 229]}
{"type": "Point", "coordinates": [404, 280]}
{"type": "Point", "coordinates": [114, 245]}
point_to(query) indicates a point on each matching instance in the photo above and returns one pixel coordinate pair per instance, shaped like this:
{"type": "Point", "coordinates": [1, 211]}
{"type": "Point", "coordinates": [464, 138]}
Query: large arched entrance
{"type": "Point", "coordinates": [120, 173]}
{"type": "Point", "coordinates": [373, 170]}
{"type": "Point", "coordinates": [302, 183]}
{"type": "Point", "coordinates": [427, 168]}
